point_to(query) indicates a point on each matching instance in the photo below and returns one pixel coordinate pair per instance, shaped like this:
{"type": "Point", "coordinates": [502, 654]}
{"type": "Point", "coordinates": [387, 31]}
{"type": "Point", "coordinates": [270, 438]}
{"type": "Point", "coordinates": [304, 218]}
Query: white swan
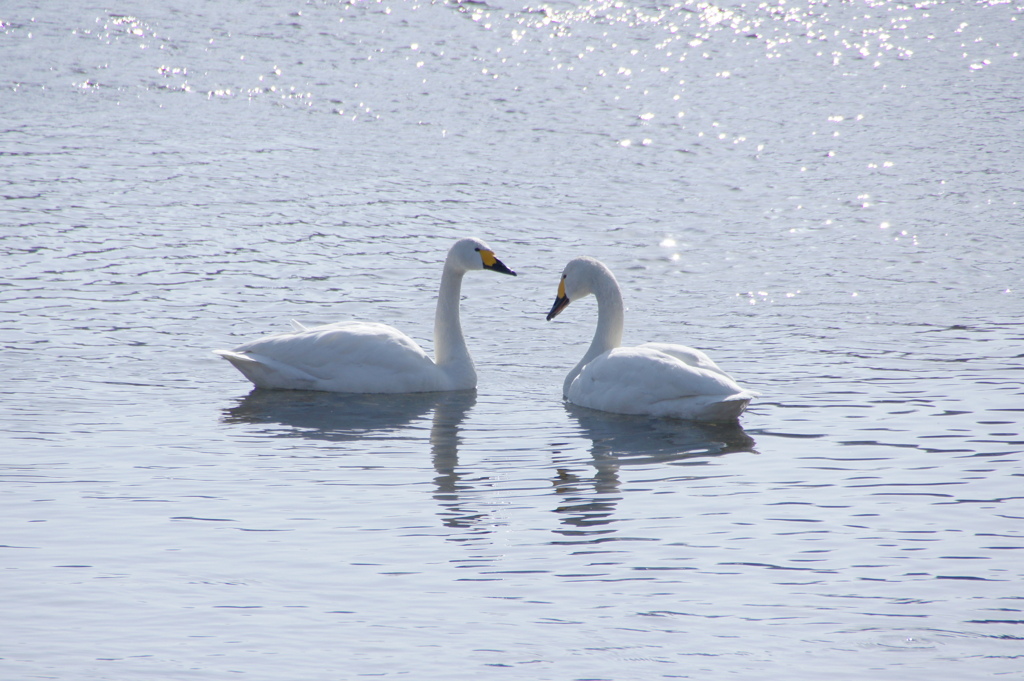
{"type": "Point", "coordinates": [659, 379]}
{"type": "Point", "coordinates": [367, 357]}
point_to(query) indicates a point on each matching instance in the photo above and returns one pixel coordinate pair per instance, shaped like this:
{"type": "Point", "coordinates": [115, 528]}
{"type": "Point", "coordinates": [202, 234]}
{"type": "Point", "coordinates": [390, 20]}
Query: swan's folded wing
{"type": "Point", "coordinates": [643, 380]}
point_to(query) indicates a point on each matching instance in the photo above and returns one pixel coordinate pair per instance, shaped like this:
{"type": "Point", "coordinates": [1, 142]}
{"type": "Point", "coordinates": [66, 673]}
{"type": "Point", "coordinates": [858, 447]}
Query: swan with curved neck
{"type": "Point", "coordinates": [659, 379]}
{"type": "Point", "coordinates": [368, 357]}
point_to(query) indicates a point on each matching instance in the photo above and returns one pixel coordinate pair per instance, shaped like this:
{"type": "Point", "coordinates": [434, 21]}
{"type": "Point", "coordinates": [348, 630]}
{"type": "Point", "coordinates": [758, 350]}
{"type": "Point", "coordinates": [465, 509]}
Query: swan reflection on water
{"type": "Point", "coordinates": [637, 439]}
{"type": "Point", "coordinates": [589, 501]}
{"type": "Point", "coordinates": [348, 417]}
{"type": "Point", "coordinates": [341, 417]}
{"type": "Point", "coordinates": [587, 497]}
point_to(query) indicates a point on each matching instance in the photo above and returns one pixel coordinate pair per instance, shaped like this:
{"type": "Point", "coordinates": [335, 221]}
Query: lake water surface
{"type": "Point", "coordinates": [827, 197]}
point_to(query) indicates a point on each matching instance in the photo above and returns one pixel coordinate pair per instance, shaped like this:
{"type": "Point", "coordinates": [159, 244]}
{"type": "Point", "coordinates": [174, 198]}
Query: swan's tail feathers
{"type": "Point", "coordinates": [267, 373]}
{"type": "Point", "coordinates": [233, 357]}
{"type": "Point", "coordinates": [727, 410]}
{"type": "Point", "coordinates": [299, 326]}
{"type": "Point", "coordinates": [249, 367]}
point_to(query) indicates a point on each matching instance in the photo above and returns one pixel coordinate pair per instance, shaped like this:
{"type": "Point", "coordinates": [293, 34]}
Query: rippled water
{"type": "Point", "coordinates": [826, 197]}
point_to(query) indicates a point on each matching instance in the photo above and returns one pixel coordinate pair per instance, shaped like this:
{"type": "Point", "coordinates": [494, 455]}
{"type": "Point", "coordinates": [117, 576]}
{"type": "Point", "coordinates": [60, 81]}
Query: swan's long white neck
{"type": "Point", "coordinates": [611, 316]}
{"type": "Point", "coordinates": [450, 351]}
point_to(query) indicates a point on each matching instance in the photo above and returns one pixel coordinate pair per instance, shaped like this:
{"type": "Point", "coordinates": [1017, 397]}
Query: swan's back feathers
{"type": "Point", "coordinates": [687, 355]}
{"type": "Point", "coordinates": [645, 380]}
{"type": "Point", "coordinates": [356, 357]}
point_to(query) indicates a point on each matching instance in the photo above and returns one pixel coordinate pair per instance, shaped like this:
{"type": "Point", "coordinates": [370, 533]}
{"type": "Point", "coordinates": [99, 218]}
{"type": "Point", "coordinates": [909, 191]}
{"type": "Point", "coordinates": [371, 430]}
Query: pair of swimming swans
{"type": "Point", "coordinates": [659, 379]}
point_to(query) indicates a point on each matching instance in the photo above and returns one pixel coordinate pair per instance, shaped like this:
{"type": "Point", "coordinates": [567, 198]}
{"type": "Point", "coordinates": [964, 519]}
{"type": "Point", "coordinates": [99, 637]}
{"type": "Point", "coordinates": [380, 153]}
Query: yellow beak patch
{"type": "Point", "coordinates": [488, 258]}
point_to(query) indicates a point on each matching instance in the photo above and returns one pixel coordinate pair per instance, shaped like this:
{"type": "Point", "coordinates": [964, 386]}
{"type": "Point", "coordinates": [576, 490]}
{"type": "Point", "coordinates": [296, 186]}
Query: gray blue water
{"type": "Point", "coordinates": [827, 197]}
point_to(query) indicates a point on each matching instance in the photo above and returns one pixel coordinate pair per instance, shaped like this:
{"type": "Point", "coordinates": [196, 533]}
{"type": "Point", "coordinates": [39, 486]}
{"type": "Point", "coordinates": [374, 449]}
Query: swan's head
{"type": "Point", "coordinates": [579, 278]}
{"type": "Point", "coordinates": [474, 254]}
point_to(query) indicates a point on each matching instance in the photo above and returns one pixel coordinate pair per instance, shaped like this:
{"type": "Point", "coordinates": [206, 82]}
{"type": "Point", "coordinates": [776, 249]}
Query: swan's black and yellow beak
{"type": "Point", "coordinates": [561, 302]}
{"type": "Point", "coordinates": [493, 264]}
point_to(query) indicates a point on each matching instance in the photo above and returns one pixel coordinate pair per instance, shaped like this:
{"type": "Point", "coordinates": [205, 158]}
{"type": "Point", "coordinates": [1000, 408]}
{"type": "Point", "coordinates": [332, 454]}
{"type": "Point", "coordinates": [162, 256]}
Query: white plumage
{"type": "Point", "coordinates": [367, 357]}
{"type": "Point", "coordinates": [660, 379]}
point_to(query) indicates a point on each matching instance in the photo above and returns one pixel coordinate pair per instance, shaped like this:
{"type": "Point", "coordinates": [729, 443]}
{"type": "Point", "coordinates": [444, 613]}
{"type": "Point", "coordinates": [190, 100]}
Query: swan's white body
{"type": "Point", "coordinates": [367, 357]}
{"type": "Point", "coordinates": [659, 379]}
